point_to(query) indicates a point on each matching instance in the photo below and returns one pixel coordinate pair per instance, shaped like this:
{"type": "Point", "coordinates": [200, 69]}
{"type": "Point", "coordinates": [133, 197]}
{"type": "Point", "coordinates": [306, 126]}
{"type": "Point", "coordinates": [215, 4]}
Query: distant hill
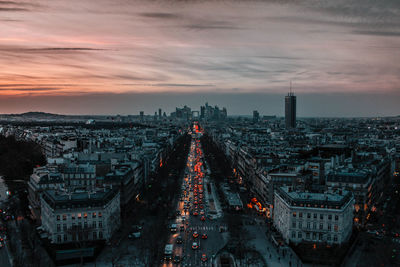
{"type": "Point", "coordinates": [38, 114]}
{"type": "Point", "coordinates": [34, 114]}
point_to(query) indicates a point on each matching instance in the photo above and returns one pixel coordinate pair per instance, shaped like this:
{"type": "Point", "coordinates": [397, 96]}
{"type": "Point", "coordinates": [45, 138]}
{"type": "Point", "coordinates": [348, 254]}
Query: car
{"type": "Point", "coordinates": [201, 206]}
{"type": "Point", "coordinates": [203, 218]}
{"type": "Point", "coordinates": [202, 212]}
{"type": "Point", "coordinates": [195, 202]}
{"type": "Point", "coordinates": [204, 236]}
{"type": "Point", "coordinates": [195, 213]}
{"type": "Point", "coordinates": [177, 259]}
{"type": "Point", "coordinates": [134, 235]}
{"type": "Point", "coordinates": [203, 257]}
{"type": "Point", "coordinates": [195, 234]}
{"type": "Point", "coordinates": [179, 240]}
{"type": "Point", "coordinates": [195, 245]}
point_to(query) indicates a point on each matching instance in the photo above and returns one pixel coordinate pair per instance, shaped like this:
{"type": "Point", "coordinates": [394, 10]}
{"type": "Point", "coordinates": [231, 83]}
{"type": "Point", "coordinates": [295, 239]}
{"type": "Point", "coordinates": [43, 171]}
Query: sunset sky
{"type": "Point", "coordinates": [123, 56]}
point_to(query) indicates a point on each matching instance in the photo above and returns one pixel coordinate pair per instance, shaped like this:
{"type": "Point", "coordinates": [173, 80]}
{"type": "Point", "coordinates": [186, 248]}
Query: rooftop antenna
{"type": "Point", "coordinates": [290, 87]}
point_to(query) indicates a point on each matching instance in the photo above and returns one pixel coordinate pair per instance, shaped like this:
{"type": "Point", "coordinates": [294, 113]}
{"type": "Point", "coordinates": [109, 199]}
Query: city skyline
{"type": "Point", "coordinates": [121, 57]}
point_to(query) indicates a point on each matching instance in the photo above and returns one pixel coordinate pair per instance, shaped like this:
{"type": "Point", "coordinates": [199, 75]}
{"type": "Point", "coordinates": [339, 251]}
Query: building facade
{"type": "Point", "coordinates": [72, 217]}
{"type": "Point", "coordinates": [313, 217]}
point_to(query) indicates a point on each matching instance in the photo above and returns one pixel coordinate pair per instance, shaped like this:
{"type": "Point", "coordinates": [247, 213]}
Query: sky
{"type": "Point", "coordinates": [124, 56]}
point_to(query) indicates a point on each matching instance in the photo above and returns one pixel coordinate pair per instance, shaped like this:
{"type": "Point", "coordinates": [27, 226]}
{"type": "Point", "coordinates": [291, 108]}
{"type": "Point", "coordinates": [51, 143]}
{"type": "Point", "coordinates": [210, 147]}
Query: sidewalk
{"type": "Point", "coordinates": [275, 257]}
{"type": "Point", "coordinates": [216, 206]}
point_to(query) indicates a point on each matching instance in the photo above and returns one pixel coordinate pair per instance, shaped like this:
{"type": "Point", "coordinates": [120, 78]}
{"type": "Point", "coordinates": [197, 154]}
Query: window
{"type": "Point", "coordinates": [308, 225]}
{"type": "Point", "coordinates": [315, 216]}
{"type": "Point", "coordinates": [307, 235]}
{"type": "Point", "coordinates": [100, 224]}
{"type": "Point", "coordinates": [79, 215]}
{"type": "Point", "coordinates": [329, 227]}
{"type": "Point", "coordinates": [300, 214]}
{"type": "Point", "coordinates": [321, 226]}
{"type": "Point", "coordinates": [58, 228]}
{"type": "Point", "coordinates": [64, 227]}
{"type": "Point", "coordinates": [64, 217]}
{"type": "Point", "coordinates": [330, 217]}
{"type": "Point", "coordinates": [328, 238]}
{"type": "Point", "coordinates": [293, 234]}
{"type": "Point", "coordinates": [59, 239]}
{"type": "Point", "coordinates": [85, 215]}
{"type": "Point", "coordinates": [100, 214]}
{"type": "Point", "coordinates": [294, 214]}
{"type": "Point", "coordinates": [65, 238]}
{"type": "Point", "coordinates": [101, 235]}
{"type": "Point", "coordinates": [94, 215]}
{"type": "Point", "coordinates": [294, 224]}
{"type": "Point", "coordinates": [308, 215]}
{"type": "Point", "coordinates": [335, 238]}
{"type": "Point", "coordinates": [85, 225]}
{"type": "Point", "coordinates": [299, 235]}
{"type": "Point", "coordinates": [314, 236]}
{"type": "Point", "coordinates": [314, 225]}
{"type": "Point", "coordinates": [73, 216]}
{"type": "Point", "coordinates": [321, 216]}
{"type": "Point", "coordinates": [336, 217]}
{"type": "Point", "coordinates": [300, 225]}
{"type": "Point", "coordinates": [58, 217]}
{"type": "Point", "coordinates": [94, 224]}
{"type": "Point", "coordinates": [320, 237]}
{"type": "Point", "coordinates": [336, 228]}
{"type": "Point", "coordinates": [94, 235]}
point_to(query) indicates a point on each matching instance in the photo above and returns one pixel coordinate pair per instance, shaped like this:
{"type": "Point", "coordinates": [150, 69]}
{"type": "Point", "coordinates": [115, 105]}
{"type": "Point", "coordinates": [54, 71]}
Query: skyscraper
{"type": "Point", "coordinates": [141, 116]}
{"type": "Point", "coordinates": [290, 110]}
{"type": "Point", "coordinates": [256, 116]}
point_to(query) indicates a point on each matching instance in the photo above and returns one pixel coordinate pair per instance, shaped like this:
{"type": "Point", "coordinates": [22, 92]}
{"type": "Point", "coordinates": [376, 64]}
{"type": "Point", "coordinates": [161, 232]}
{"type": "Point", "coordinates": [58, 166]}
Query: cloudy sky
{"type": "Point", "coordinates": [123, 56]}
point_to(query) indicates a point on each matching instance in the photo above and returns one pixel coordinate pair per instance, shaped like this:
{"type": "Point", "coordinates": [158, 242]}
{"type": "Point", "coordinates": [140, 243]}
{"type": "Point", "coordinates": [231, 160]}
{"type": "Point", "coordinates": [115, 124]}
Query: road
{"type": "Point", "coordinates": [190, 218]}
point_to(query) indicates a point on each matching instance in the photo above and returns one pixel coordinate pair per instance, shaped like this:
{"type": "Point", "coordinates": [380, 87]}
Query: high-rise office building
{"type": "Point", "coordinates": [256, 116]}
{"type": "Point", "coordinates": [290, 111]}
{"type": "Point", "coordinates": [141, 116]}
{"type": "Point", "coordinates": [159, 113]}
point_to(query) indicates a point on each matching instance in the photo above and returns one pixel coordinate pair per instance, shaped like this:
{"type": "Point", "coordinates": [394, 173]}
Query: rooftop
{"type": "Point", "coordinates": [61, 200]}
{"type": "Point", "coordinates": [319, 200]}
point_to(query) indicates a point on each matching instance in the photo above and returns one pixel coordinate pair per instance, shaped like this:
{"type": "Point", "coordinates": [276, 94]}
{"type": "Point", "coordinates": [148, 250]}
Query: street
{"type": "Point", "coordinates": [195, 226]}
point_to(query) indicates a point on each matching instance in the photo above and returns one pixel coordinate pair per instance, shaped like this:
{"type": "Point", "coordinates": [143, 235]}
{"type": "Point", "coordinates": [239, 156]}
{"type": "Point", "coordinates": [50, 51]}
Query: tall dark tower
{"type": "Point", "coordinates": [290, 109]}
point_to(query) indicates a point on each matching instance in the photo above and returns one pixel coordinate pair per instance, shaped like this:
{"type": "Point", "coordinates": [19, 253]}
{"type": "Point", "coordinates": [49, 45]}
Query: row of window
{"type": "Point", "coordinates": [80, 236]}
{"type": "Point", "coordinates": [314, 226]}
{"type": "Point", "coordinates": [79, 215]}
{"type": "Point", "coordinates": [79, 175]}
{"type": "Point", "coordinates": [79, 225]}
{"type": "Point", "coordinates": [315, 216]}
{"type": "Point", "coordinates": [80, 182]}
{"type": "Point", "coordinates": [314, 236]}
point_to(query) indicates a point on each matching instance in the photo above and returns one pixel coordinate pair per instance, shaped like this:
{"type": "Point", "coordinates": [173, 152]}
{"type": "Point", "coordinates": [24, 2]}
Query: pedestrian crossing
{"type": "Point", "coordinates": [206, 228]}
